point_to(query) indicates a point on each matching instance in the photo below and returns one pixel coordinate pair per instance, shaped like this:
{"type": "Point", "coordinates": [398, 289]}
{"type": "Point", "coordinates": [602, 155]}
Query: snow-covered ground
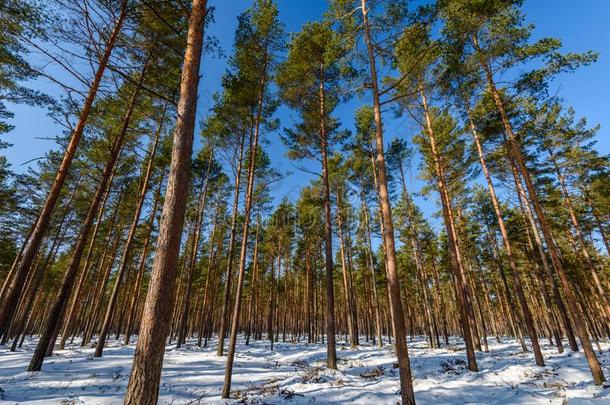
{"type": "Point", "coordinates": [295, 374]}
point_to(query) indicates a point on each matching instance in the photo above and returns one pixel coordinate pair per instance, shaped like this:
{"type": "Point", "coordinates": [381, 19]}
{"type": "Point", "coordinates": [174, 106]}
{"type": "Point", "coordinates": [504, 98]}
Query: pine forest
{"type": "Point", "coordinates": [283, 202]}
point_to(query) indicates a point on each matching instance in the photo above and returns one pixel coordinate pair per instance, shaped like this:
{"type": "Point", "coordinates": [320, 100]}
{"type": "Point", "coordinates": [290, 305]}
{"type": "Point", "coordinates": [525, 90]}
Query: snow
{"type": "Point", "coordinates": [294, 373]}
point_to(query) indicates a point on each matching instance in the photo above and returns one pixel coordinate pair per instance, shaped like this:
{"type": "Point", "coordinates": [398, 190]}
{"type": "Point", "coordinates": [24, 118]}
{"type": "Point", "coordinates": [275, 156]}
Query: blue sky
{"type": "Point", "coordinates": [582, 25]}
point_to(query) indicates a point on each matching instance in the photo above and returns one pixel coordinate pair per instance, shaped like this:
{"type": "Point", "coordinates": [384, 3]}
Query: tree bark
{"type": "Point", "coordinates": [253, 284]}
{"type": "Point", "coordinates": [194, 253]}
{"type": "Point", "coordinates": [39, 273]}
{"type": "Point", "coordinates": [528, 214]}
{"type": "Point", "coordinates": [371, 265]}
{"type": "Point", "coordinates": [347, 287]}
{"type": "Point", "coordinates": [417, 253]}
{"type": "Point", "coordinates": [143, 387]}
{"type": "Point", "coordinates": [56, 314]}
{"type": "Point", "coordinates": [231, 253]}
{"type": "Point", "coordinates": [209, 280]}
{"type": "Point", "coordinates": [579, 236]}
{"type": "Point", "coordinates": [71, 315]}
{"type": "Point", "coordinates": [135, 296]}
{"type": "Point", "coordinates": [406, 383]}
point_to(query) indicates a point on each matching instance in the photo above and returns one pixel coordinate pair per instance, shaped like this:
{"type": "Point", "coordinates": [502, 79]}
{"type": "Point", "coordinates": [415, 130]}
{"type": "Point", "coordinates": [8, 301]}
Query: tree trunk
{"type": "Point", "coordinates": [39, 270]}
{"type": "Point", "coordinates": [135, 295]}
{"type": "Point", "coordinates": [417, 252]}
{"type": "Point", "coordinates": [406, 383]}
{"type": "Point", "coordinates": [231, 253]}
{"type": "Point", "coordinates": [253, 284]}
{"type": "Point", "coordinates": [528, 214]}
{"type": "Point", "coordinates": [209, 280]}
{"type": "Point", "coordinates": [39, 273]}
{"type": "Point", "coordinates": [579, 236]}
{"type": "Point", "coordinates": [272, 299]}
{"type": "Point", "coordinates": [371, 266]}
{"type": "Point", "coordinates": [541, 280]}
{"type": "Point", "coordinates": [89, 313]}
{"type": "Point", "coordinates": [194, 250]}
{"type": "Point", "coordinates": [71, 315]}
{"type": "Point", "coordinates": [331, 351]}
{"type": "Point", "coordinates": [11, 273]}
{"type": "Point", "coordinates": [143, 387]}
{"type": "Point", "coordinates": [310, 311]}
{"type": "Point", "coordinates": [349, 301]}
{"type": "Point", "coordinates": [226, 390]}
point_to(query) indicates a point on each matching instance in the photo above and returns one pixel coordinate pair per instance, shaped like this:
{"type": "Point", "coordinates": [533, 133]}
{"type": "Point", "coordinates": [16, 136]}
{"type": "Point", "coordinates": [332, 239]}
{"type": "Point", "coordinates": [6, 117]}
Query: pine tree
{"type": "Point", "coordinates": [146, 372]}
{"type": "Point", "coordinates": [388, 19]}
{"type": "Point", "coordinates": [310, 82]}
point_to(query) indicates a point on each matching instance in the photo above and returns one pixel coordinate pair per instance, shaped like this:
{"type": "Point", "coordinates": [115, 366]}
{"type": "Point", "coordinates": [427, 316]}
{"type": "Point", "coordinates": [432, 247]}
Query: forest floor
{"type": "Point", "coordinates": [296, 374]}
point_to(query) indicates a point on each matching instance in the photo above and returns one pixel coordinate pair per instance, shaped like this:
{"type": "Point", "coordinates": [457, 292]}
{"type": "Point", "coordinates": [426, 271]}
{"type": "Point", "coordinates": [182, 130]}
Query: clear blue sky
{"type": "Point", "coordinates": [582, 25]}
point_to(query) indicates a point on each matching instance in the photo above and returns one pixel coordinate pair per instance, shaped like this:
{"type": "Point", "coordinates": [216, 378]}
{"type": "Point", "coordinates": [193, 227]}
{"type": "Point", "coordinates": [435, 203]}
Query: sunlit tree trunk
{"type": "Point", "coordinates": [56, 312]}
{"type": "Point", "coordinates": [182, 327]}
{"type": "Point", "coordinates": [253, 285]}
{"type": "Point", "coordinates": [374, 300]}
{"type": "Point", "coordinates": [231, 253]}
{"type": "Point", "coordinates": [143, 387]}
{"type": "Point", "coordinates": [579, 236]}
{"type": "Point", "coordinates": [226, 390]}
{"type": "Point", "coordinates": [349, 301]}
{"type": "Point", "coordinates": [136, 292]}
{"type": "Point", "coordinates": [406, 383]}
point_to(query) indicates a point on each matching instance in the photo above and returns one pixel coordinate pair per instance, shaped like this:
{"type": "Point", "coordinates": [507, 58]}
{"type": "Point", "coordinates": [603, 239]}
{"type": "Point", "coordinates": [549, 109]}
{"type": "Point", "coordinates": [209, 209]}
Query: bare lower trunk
{"type": "Point", "coordinates": [194, 253]}
{"type": "Point", "coordinates": [406, 383]}
{"type": "Point", "coordinates": [143, 387]}
{"type": "Point", "coordinates": [71, 315]}
{"type": "Point", "coordinates": [419, 261]}
{"type": "Point", "coordinates": [231, 253]}
{"type": "Point", "coordinates": [349, 301]}
{"type": "Point", "coordinates": [253, 285]}
{"type": "Point", "coordinates": [209, 281]}
{"type": "Point", "coordinates": [11, 273]}
{"type": "Point", "coordinates": [528, 214]}
{"type": "Point", "coordinates": [226, 389]}
{"type": "Point", "coordinates": [580, 238]}
{"type": "Point", "coordinates": [38, 275]}
{"type": "Point", "coordinates": [103, 268]}
{"type": "Point", "coordinates": [135, 295]}
{"type": "Point", "coordinates": [371, 266]}
{"type": "Point", "coordinates": [331, 353]}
